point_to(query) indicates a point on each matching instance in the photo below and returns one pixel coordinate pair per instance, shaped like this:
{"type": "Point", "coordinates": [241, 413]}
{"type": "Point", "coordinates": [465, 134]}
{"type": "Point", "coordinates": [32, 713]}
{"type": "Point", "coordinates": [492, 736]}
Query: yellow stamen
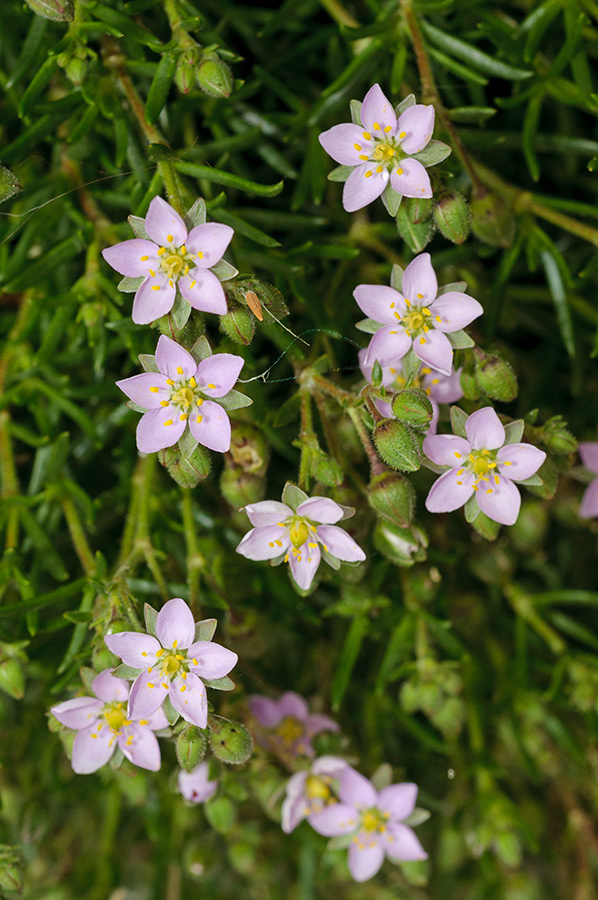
{"type": "Point", "coordinates": [369, 174]}
{"type": "Point", "coordinates": [143, 258]}
{"type": "Point", "coordinates": [179, 370]}
{"type": "Point", "coordinates": [388, 128]}
{"type": "Point", "coordinates": [169, 422]}
{"type": "Point", "coordinates": [169, 238]}
{"type": "Point", "coordinates": [376, 126]}
{"type": "Point", "coordinates": [155, 287]}
{"type": "Point", "coordinates": [154, 390]}
{"type": "Point", "coordinates": [367, 136]}
{"type": "Point", "coordinates": [161, 251]}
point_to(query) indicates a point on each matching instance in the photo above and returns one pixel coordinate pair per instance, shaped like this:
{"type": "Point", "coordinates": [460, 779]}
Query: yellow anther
{"type": "Point", "coordinates": [436, 381]}
{"type": "Point", "coordinates": [420, 296]}
{"type": "Point", "coordinates": [426, 371]}
{"type": "Point", "coordinates": [193, 283]}
{"type": "Point", "coordinates": [163, 402]}
{"type": "Point", "coordinates": [178, 656]}
{"type": "Point", "coordinates": [426, 310]}
{"type": "Point", "coordinates": [369, 173]}
{"type": "Point", "coordinates": [496, 479]}
{"type": "Point", "coordinates": [154, 390]}
{"type": "Point", "coordinates": [183, 417]}
{"type": "Point", "coordinates": [422, 340]}
{"type": "Point", "coordinates": [169, 238]}
{"type": "Point", "coordinates": [94, 735]}
{"type": "Point", "coordinates": [388, 128]}
{"type": "Point", "coordinates": [168, 422]}
{"type": "Point", "coordinates": [192, 382]}
{"type": "Point", "coordinates": [402, 134]}
{"type": "Point", "coordinates": [357, 146]}
{"type": "Point", "coordinates": [143, 258]}
{"type": "Point", "coordinates": [150, 685]}
{"type": "Point", "coordinates": [471, 457]}
{"type": "Point", "coordinates": [364, 157]}
{"type": "Point", "coordinates": [175, 644]}
{"type": "Point", "coordinates": [392, 305]}
{"type": "Point", "coordinates": [150, 670]}
{"type": "Point", "coordinates": [161, 251]}
{"type": "Point", "coordinates": [129, 740]}
{"type": "Point", "coordinates": [169, 381]}
{"type": "Point", "coordinates": [212, 386]}
{"type": "Point", "coordinates": [183, 250]}
{"type": "Point", "coordinates": [399, 171]}
{"type": "Point", "coordinates": [143, 721]}
{"type": "Point", "coordinates": [199, 401]}
{"type": "Point", "coordinates": [460, 472]}
{"type": "Point", "coordinates": [367, 136]}
{"type": "Point", "coordinates": [179, 370]}
{"type": "Point", "coordinates": [183, 688]}
{"type": "Point", "coordinates": [152, 273]}
{"type": "Point", "coordinates": [489, 491]}
{"type": "Point", "coordinates": [200, 418]}
{"type": "Point", "coordinates": [408, 302]}
{"type": "Point", "coordinates": [164, 685]}
{"type": "Point", "coordinates": [379, 168]}
{"type": "Point", "coordinates": [376, 126]}
{"type": "Point", "coordinates": [160, 651]}
{"type": "Point", "coordinates": [459, 482]}
{"type": "Point", "coordinates": [194, 661]}
{"type": "Point", "coordinates": [143, 653]}
{"type": "Point", "coordinates": [506, 462]}
{"type": "Point", "coordinates": [155, 287]}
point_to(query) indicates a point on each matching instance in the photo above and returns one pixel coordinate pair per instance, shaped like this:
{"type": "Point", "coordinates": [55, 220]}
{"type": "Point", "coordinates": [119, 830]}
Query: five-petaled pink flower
{"type": "Point", "coordinates": [173, 664]}
{"type": "Point", "coordinates": [482, 465]}
{"type": "Point", "coordinates": [382, 150]}
{"type": "Point", "coordinates": [195, 786]}
{"type": "Point", "coordinates": [376, 819]}
{"type": "Point", "coordinates": [172, 258]}
{"type": "Point", "coordinates": [178, 395]}
{"type": "Point", "coordinates": [102, 723]}
{"type": "Point", "coordinates": [440, 388]}
{"type": "Point", "coordinates": [287, 723]}
{"type": "Point", "coordinates": [296, 535]}
{"type": "Point", "coordinates": [415, 317]}
{"type": "Point", "coordinates": [311, 791]}
{"type": "Point", "coordinates": [589, 457]}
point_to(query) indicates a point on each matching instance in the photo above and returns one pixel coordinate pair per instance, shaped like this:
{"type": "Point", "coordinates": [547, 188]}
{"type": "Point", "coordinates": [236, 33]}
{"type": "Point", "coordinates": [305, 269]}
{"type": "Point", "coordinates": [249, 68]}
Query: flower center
{"type": "Point", "coordinates": [316, 788]}
{"type": "Point", "coordinates": [384, 152]}
{"type": "Point", "coordinates": [115, 716]}
{"type": "Point", "coordinates": [185, 396]}
{"type": "Point", "coordinates": [373, 820]}
{"type": "Point", "coordinates": [481, 463]}
{"type": "Point", "coordinates": [298, 533]}
{"type": "Point", "coordinates": [415, 320]}
{"type": "Point", "coordinates": [290, 729]}
{"type": "Point", "coordinates": [171, 665]}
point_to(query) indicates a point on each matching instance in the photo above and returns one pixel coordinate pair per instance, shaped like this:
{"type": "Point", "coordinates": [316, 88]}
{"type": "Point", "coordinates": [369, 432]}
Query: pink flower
{"type": "Point", "coordinates": [174, 664]}
{"type": "Point", "coordinates": [295, 535]}
{"type": "Point", "coordinates": [195, 786]}
{"type": "Point", "coordinates": [440, 388]}
{"type": "Point", "coordinates": [589, 457]}
{"type": "Point", "coordinates": [102, 723]}
{"type": "Point", "coordinates": [382, 150]}
{"type": "Point", "coordinates": [177, 396]}
{"type": "Point", "coordinates": [172, 258]}
{"type": "Point", "coordinates": [375, 819]}
{"type": "Point", "coordinates": [287, 723]}
{"type": "Point", "coordinates": [417, 317]}
{"type": "Point", "coordinates": [482, 465]}
{"type": "Point", "coordinates": [309, 792]}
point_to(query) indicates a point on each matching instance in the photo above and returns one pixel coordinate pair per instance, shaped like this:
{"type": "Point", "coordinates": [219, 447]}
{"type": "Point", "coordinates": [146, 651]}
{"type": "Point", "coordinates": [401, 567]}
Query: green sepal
{"type": "Point", "coordinates": [460, 340]}
{"type": "Point", "coordinates": [125, 671]}
{"type": "Point", "coordinates": [382, 777]}
{"type": "Point", "coordinates": [224, 271]}
{"type": "Point", "coordinates": [471, 509]}
{"type": "Point", "coordinates": [117, 759]}
{"type": "Point", "coordinates": [201, 349]}
{"type": "Point", "coordinates": [138, 227]}
{"type": "Point", "coordinates": [341, 173]}
{"type": "Point", "coordinates": [190, 747]}
{"type": "Point", "coordinates": [150, 615]}
{"type": "Point", "coordinates": [204, 630]}
{"type": "Point", "coordinates": [197, 215]}
{"type": "Point", "coordinates": [340, 842]}
{"type": "Point", "coordinates": [332, 561]}
{"type": "Point", "coordinates": [169, 711]}
{"type": "Point", "coordinates": [234, 400]}
{"type": "Point", "coordinates": [396, 278]}
{"type": "Point", "coordinates": [459, 286]}
{"type": "Point", "coordinates": [136, 407]}
{"type": "Point", "coordinates": [391, 200]}
{"type": "Point", "coordinates": [187, 443]}
{"type": "Point", "coordinates": [458, 420]}
{"type": "Point", "coordinates": [533, 481]}
{"type": "Point", "coordinates": [514, 431]}
{"type": "Point", "coordinates": [220, 684]}
{"type": "Point", "coordinates": [293, 496]}
{"type": "Point", "coordinates": [417, 817]}
{"type": "Point", "coordinates": [129, 285]}
{"type": "Point", "coordinates": [355, 107]}
{"type": "Point", "coordinates": [486, 526]}
{"type": "Point", "coordinates": [368, 326]}
{"type": "Point", "coordinates": [405, 104]}
{"type": "Point", "coordinates": [148, 362]}
{"type": "Point", "coordinates": [434, 153]}
{"type": "Point", "coordinates": [87, 676]}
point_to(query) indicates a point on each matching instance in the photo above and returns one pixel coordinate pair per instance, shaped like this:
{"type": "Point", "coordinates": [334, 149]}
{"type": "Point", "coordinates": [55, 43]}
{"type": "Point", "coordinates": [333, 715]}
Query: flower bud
{"type": "Point", "coordinates": [397, 446]}
{"type": "Point", "coordinates": [495, 377]}
{"type": "Point", "coordinates": [11, 873]}
{"type": "Point", "coordinates": [55, 10]}
{"type": "Point", "coordinates": [557, 437]}
{"type": "Point", "coordinates": [239, 325]}
{"type": "Point", "coordinates": [452, 218]}
{"type": "Point", "coordinates": [403, 546]}
{"type": "Point", "coordinates": [76, 71]}
{"type": "Point", "coordinates": [493, 222]}
{"type": "Point", "coordinates": [249, 449]}
{"type": "Point", "coordinates": [190, 747]}
{"type": "Point", "coordinates": [186, 472]}
{"type": "Point", "coordinates": [413, 408]}
{"type": "Point", "coordinates": [325, 469]}
{"type": "Point", "coordinates": [230, 741]}
{"type": "Point", "coordinates": [413, 225]}
{"type": "Point", "coordinates": [393, 498]}
{"type": "Point", "coordinates": [187, 65]}
{"type": "Point", "coordinates": [469, 385]}
{"type": "Point", "coordinates": [214, 76]}
{"type": "Point", "coordinates": [240, 488]}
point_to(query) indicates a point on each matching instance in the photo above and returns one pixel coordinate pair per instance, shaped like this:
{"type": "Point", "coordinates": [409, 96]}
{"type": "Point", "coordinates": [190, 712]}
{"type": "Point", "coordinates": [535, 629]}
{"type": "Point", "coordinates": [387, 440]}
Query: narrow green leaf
{"type": "Point", "coordinates": [217, 176]}
{"type": "Point", "coordinates": [348, 658]}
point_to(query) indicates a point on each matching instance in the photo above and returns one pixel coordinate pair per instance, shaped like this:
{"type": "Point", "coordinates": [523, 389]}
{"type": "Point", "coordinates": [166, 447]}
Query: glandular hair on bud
{"type": "Point", "coordinates": [239, 325]}
{"type": "Point", "coordinates": [453, 218]}
{"type": "Point", "coordinates": [412, 407]}
{"type": "Point", "coordinates": [186, 472]}
{"type": "Point", "coordinates": [214, 76]}
{"type": "Point", "coordinates": [397, 446]}
{"type": "Point", "coordinates": [495, 377]}
{"type": "Point", "coordinates": [393, 498]}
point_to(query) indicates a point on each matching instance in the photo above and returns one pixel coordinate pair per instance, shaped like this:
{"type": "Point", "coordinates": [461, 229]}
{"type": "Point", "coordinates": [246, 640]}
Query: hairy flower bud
{"type": "Point", "coordinates": [557, 437]}
{"type": "Point", "coordinates": [468, 382]}
{"type": "Point", "coordinates": [393, 498]}
{"type": "Point", "coordinates": [230, 741]}
{"type": "Point", "coordinates": [403, 546]}
{"type": "Point", "coordinates": [412, 407]}
{"type": "Point", "coordinates": [190, 747]}
{"type": "Point", "coordinates": [55, 10]}
{"type": "Point", "coordinates": [187, 65]}
{"type": "Point", "coordinates": [239, 325]}
{"type": "Point", "coordinates": [495, 377]}
{"type": "Point", "coordinates": [214, 76]}
{"type": "Point", "coordinates": [397, 446]}
{"type": "Point", "coordinates": [414, 223]}
{"type": "Point", "coordinates": [186, 472]}
{"type": "Point", "coordinates": [452, 218]}
{"type": "Point", "coordinates": [249, 449]}
{"type": "Point", "coordinates": [240, 488]}
{"type": "Point", "coordinates": [492, 220]}
{"type": "Point", "coordinates": [325, 469]}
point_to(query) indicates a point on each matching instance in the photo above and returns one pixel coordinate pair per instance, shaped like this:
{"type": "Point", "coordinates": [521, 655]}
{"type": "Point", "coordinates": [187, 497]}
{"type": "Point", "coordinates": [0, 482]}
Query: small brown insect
{"type": "Point", "coordinates": [253, 302]}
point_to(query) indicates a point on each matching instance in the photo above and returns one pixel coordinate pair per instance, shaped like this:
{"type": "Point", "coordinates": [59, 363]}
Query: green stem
{"type": "Point", "coordinates": [80, 543]}
{"type": "Point", "coordinates": [196, 562]}
{"type": "Point", "coordinates": [377, 467]}
{"type": "Point", "coordinates": [306, 439]}
{"type": "Point", "coordinates": [179, 32]}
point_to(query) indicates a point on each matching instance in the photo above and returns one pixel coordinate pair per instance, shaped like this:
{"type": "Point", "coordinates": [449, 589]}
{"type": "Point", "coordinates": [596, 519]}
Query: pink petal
{"type": "Point", "coordinates": [524, 459]}
{"type": "Point", "coordinates": [340, 142]}
{"type": "Point", "coordinates": [365, 859]}
{"type": "Point", "coordinates": [388, 345]}
{"type": "Point", "coordinates": [173, 360]}
{"type": "Point", "coordinates": [157, 722]}
{"type": "Point", "coordinates": [588, 451]}
{"type": "Point", "coordinates": [402, 844]}
{"type": "Point", "coordinates": [446, 449]}
{"type": "Point", "coordinates": [316, 723]}
{"type": "Point", "coordinates": [211, 240]}
{"type": "Point", "coordinates": [411, 179]}
{"type": "Point", "coordinates": [109, 688]}
{"type": "Point", "coordinates": [213, 660]}
{"type": "Point", "coordinates": [305, 565]}
{"type": "Point", "coordinates": [203, 291]}
{"type": "Point", "coordinates": [444, 388]}
{"type": "Point", "coordinates": [321, 509]}
{"type": "Point", "coordinates": [589, 503]}
{"type": "Point", "coordinates": [153, 432]}
{"type": "Point", "coordinates": [377, 113]}
{"type": "Point", "coordinates": [337, 542]}
{"type": "Point", "coordinates": [420, 284]}
{"type": "Point", "coordinates": [339, 818]}
{"type": "Point", "coordinates": [143, 750]}
{"type": "Point", "coordinates": [210, 426]}
{"type": "Point", "coordinates": [135, 649]}
{"type": "Point", "coordinates": [417, 123]}
{"type": "Point", "coordinates": [139, 389]}
{"type": "Point", "coordinates": [175, 626]}
{"type": "Point", "coordinates": [91, 753]}
{"type": "Point", "coordinates": [217, 375]}
{"type": "Point", "coordinates": [267, 512]}
{"type": "Point", "coordinates": [356, 789]}
{"type": "Point", "coordinates": [455, 310]}
{"type": "Point", "coordinates": [434, 349]}
{"type": "Point", "coordinates": [485, 430]}
{"type": "Point", "coordinates": [146, 696]}
{"type": "Point", "coordinates": [126, 258]}
{"type": "Point", "coordinates": [195, 786]}
{"type": "Point", "coordinates": [380, 302]}
{"type": "Point", "coordinates": [359, 190]}
{"type": "Point", "coordinates": [264, 710]}
{"type": "Point", "coordinates": [329, 765]}
{"type": "Point", "coordinates": [388, 376]}
{"type": "Point", "coordinates": [261, 543]}
{"type": "Point", "coordinates": [164, 225]}
{"type": "Point", "coordinates": [398, 800]}
{"type": "Point", "coordinates": [450, 491]}
{"type": "Point", "coordinates": [293, 810]}
{"type": "Point", "coordinates": [150, 304]}
{"type": "Point", "coordinates": [80, 712]}
{"type": "Point", "coordinates": [189, 699]}
{"type": "Point", "coordinates": [292, 704]}
{"type": "Point", "coordinates": [500, 501]}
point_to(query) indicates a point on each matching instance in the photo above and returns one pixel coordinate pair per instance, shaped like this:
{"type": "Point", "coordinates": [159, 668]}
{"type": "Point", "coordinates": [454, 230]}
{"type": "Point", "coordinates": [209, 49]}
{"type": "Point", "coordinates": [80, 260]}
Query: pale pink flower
{"type": "Point", "coordinates": [311, 791]}
{"type": "Point", "coordinates": [195, 786]}
{"type": "Point", "coordinates": [287, 723]}
{"type": "Point", "coordinates": [589, 457]}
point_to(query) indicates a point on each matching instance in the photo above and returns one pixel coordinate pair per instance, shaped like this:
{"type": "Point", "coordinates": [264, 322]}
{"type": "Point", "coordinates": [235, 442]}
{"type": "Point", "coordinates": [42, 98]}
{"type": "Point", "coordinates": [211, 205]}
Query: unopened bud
{"type": "Point", "coordinates": [413, 225]}
{"type": "Point", "coordinates": [76, 71]}
{"type": "Point", "coordinates": [214, 76]}
{"type": "Point", "coordinates": [240, 488]}
{"type": "Point", "coordinates": [249, 449]}
{"type": "Point", "coordinates": [325, 469]}
{"type": "Point", "coordinates": [187, 66]}
{"type": "Point", "coordinates": [493, 222]}
{"type": "Point", "coordinates": [403, 546]}
{"type": "Point", "coordinates": [469, 385]}
{"type": "Point", "coordinates": [557, 437]}
{"type": "Point", "coordinates": [230, 741]}
{"type": "Point", "coordinates": [393, 498]}
{"type": "Point", "coordinates": [412, 407]}
{"type": "Point", "coordinates": [186, 472]}
{"type": "Point", "coordinates": [397, 446]}
{"type": "Point", "coordinates": [239, 325]}
{"type": "Point", "coordinates": [191, 747]}
{"type": "Point", "coordinates": [55, 10]}
{"type": "Point", "coordinates": [495, 377]}
{"type": "Point", "coordinates": [452, 218]}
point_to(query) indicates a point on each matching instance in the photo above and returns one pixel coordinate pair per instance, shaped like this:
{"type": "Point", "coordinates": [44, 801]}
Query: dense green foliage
{"type": "Point", "coordinates": [473, 669]}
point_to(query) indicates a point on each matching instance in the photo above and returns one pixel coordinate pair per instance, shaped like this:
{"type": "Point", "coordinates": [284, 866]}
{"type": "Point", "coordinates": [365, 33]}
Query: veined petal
{"type": "Point", "coordinates": [213, 660]}
{"type": "Point", "coordinates": [519, 461]}
{"type": "Point", "coordinates": [339, 818]}
{"type": "Point", "coordinates": [501, 501]}
{"type": "Point", "coordinates": [132, 258]}
{"type": "Point", "coordinates": [388, 345]}
{"type": "Point", "coordinates": [402, 844]}
{"type": "Point", "coordinates": [267, 512]}
{"type": "Point", "coordinates": [147, 389]}
{"type": "Point", "coordinates": [304, 564]}
{"type": "Point", "coordinates": [362, 188]}
{"type": "Point", "coordinates": [484, 430]}
{"type": "Point", "coordinates": [356, 789]}
{"type": "Point", "coordinates": [175, 626]}
{"type": "Point", "coordinates": [134, 648]}
{"type": "Point", "coordinates": [264, 543]}
{"type": "Point", "coordinates": [92, 749]}
{"type": "Point", "coordinates": [208, 243]}
{"type": "Point", "coordinates": [381, 303]}
{"type": "Point", "coordinates": [446, 450]}
{"type": "Point", "coordinates": [173, 360]}
{"type": "Point", "coordinates": [210, 425]}
{"type": "Point", "coordinates": [159, 428]}
{"type": "Point", "coordinates": [450, 491]}
{"type": "Point", "coordinates": [140, 745]}
{"type": "Point", "coordinates": [410, 179]}
{"type": "Point", "coordinates": [109, 688]}
{"type": "Point", "coordinates": [377, 114]}
{"type": "Point", "coordinates": [203, 291]}
{"type": "Point", "coordinates": [321, 509]}
{"type": "Point", "coordinates": [420, 284]}
{"type": "Point", "coordinates": [589, 503]}
{"type": "Point", "coordinates": [147, 695]}
{"type": "Point", "coordinates": [365, 857]}
{"type": "Point", "coordinates": [164, 225]}
{"type": "Point", "coordinates": [398, 800]}
{"type": "Point", "coordinates": [80, 712]}
{"type": "Point", "coordinates": [588, 451]}
{"type": "Point", "coordinates": [434, 349]}
{"type": "Point", "coordinates": [455, 311]}
{"type": "Point", "coordinates": [189, 699]}
{"type": "Point", "coordinates": [153, 300]}
{"type": "Point", "coordinates": [217, 375]}
{"type": "Point", "coordinates": [415, 127]}
{"type": "Point", "coordinates": [346, 143]}
{"type": "Point", "coordinates": [340, 544]}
